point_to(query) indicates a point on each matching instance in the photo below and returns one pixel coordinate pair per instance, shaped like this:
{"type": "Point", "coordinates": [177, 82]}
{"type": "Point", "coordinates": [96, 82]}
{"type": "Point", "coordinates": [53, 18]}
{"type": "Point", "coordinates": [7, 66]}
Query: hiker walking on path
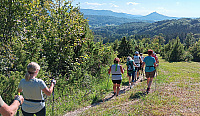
{"type": "Point", "coordinates": [130, 70]}
{"type": "Point", "coordinates": [156, 58]}
{"type": "Point", "coordinates": [117, 72]}
{"type": "Point", "coordinates": [137, 61]}
{"type": "Point", "coordinates": [149, 69]}
{"type": "Point", "coordinates": [32, 88]}
{"type": "Point", "coordinates": [11, 110]}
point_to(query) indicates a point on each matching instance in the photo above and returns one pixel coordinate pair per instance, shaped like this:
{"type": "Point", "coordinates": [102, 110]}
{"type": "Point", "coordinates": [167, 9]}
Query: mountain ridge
{"type": "Point", "coordinates": [152, 16]}
{"type": "Point", "coordinates": [101, 18]}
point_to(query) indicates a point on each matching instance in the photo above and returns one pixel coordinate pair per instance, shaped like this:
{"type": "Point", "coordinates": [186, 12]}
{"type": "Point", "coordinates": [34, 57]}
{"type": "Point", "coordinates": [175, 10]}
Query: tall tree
{"type": "Point", "coordinates": [124, 48]}
{"type": "Point", "coordinates": [177, 52]}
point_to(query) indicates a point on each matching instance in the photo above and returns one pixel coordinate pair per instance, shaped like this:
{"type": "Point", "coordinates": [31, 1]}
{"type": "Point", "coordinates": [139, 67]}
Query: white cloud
{"type": "Point", "coordinates": [93, 4]}
{"type": "Point", "coordinates": [132, 3]}
{"type": "Point", "coordinates": [178, 3]}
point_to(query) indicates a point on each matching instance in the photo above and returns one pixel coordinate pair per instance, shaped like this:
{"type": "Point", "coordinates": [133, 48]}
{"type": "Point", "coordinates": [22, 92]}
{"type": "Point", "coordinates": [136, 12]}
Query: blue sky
{"type": "Point", "coordinates": [173, 8]}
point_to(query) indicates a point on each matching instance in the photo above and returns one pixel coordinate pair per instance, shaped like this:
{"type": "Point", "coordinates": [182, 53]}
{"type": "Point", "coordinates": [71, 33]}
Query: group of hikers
{"type": "Point", "coordinates": [32, 100]}
{"type": "Point", "coordinates": [135, 67]}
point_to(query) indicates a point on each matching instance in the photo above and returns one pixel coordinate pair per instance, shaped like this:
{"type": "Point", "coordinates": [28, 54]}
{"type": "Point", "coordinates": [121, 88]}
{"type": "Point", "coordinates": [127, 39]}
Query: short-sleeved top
{"type": "Point", "coordinates": [131, 61]}
{"type": "Point", "coordinates": [156, 58]}
{"type": "Point", "coordinates": [116, 75]}
{"type": "Point", "coordinates": [1, 101]}
{"type": "Point", "coordinates": [32, 89]}
{"type": "Point", "coordinates": [137, 60]}
{"type": "Point", "coordinates": [149, 61]}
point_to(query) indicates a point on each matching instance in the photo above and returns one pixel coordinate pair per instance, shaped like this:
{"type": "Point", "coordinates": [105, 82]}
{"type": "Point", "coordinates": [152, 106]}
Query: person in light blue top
{"type": "Point", "coordinates": [32, 89]}
{"type": "Point", "coordinates": [117, 72]}
{"type": "Point", "coordinates": [150, 63]}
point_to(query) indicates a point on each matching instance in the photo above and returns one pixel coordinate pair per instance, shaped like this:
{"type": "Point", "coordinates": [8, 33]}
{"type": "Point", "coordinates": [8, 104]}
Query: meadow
{"type": "Point", "coordinates": [175, 91]}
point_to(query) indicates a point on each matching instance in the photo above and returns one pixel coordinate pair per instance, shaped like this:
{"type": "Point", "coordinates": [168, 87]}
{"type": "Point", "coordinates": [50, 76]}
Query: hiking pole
{"type": "Point", "coordinates": [156, 78]}
{"type": "Point", "coordinates": [124, 83]}
{"type": "Point", "coordinates": [17, 114]}
{"type": "Point", "coordinates": [108, 81]}
{"type": "Point", "coordinates": [53, 94]}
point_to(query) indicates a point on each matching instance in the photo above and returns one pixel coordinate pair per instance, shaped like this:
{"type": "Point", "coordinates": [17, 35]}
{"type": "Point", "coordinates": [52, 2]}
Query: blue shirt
{"type": "Point", "coordinates": [149, 61]}
{"type": "Point", "coordinates": [32, 89]}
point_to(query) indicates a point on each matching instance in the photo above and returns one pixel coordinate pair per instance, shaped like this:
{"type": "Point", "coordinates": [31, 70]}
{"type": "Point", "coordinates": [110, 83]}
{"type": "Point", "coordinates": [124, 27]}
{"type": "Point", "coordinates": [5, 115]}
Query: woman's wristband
{"type": "Point", "coordinates": [18, 99]}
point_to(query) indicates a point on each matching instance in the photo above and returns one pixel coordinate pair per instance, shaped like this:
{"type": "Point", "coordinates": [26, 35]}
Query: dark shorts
{"type": "Point", "coordinates": [150, 74]}
{"type": "Point", "coordinates": [117, 81]}
{"type": "Point", "coordinates": [137, 68]}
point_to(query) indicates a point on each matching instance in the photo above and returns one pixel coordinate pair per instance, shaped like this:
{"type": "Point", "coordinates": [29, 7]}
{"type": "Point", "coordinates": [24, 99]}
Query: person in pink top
{"type": "Point", "coordinates": [156, 58]}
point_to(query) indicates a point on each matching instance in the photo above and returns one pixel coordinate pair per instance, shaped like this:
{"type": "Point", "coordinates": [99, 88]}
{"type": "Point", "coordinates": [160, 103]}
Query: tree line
{"type": "Point", "coordinates": [173, 51]}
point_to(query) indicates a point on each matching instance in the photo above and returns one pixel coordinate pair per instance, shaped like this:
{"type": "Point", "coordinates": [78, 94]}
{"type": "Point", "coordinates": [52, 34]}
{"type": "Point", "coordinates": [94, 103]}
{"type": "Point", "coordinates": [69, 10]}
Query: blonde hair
{"type": "Point", "coordinates": [31, 69]}
{"type": "Point", "coordinates": [129, 58]}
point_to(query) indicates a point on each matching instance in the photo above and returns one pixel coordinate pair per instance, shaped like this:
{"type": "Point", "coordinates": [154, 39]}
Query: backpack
{"type": "Point", "coordinates": [130, 67]}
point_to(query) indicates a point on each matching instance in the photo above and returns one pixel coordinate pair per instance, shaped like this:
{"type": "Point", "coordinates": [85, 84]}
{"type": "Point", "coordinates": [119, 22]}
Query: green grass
{"type": "Point", "coordinates": [177, 93]}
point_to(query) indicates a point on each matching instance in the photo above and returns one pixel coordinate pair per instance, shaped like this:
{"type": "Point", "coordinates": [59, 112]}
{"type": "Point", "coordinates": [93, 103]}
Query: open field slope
{"type": "Point", "coordinates": [175, 91]}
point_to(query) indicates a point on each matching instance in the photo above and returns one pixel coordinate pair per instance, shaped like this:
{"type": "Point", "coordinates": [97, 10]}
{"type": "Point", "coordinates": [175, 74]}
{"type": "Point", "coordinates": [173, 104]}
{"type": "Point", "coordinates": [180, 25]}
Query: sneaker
{"type": "Point", "coordinates": [114, 93]}
{"type": "Point", "coordinates": [130, 85]}
{"type": "Point", "coordinates": [148, 89]}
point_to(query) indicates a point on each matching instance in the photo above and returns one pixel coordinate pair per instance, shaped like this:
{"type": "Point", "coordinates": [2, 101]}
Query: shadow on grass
{"type": "Point", "coordinates": [125, 83]}
{"type": "Point", "coordinates": [138, 95]}
{"type": "Point", "coordinates": [96, 100]}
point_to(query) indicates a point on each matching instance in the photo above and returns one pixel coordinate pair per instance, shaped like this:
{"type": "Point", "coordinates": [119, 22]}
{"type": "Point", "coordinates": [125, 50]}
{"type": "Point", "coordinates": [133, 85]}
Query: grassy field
{"type": "Point", "coordinates": [175, 91]}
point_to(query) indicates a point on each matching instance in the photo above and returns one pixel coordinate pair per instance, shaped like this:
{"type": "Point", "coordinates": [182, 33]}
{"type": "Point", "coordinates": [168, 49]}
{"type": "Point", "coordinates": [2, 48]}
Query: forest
{"type": "Point", "coordinates": [169, 28]}
{"type": "Point", "coordinates": [59, 39]}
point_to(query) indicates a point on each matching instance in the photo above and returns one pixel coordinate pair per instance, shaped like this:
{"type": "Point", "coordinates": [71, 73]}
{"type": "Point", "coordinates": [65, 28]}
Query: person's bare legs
{"type": "Point", "coordinates": [114, 87]}
{"type": "Point", "coordinates": [118, 89]}
{"type": "Point", "coordinates": [149, 82]}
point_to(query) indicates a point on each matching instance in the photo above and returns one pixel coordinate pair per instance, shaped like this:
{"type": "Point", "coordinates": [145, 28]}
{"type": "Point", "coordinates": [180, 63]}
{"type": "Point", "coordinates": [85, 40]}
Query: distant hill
{"type": "Point", "coordinates": [96, 21]}
{"type": "Point", "coordinates": [100, 18]}
{"type": "Point", "coordinates": [156, 17]}
{"type": "Point", "coordinates": [108, 13]}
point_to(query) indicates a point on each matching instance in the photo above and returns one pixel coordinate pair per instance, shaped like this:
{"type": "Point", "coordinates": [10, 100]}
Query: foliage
{"type": "Point", "coordinates": [169, 28]}
{"type": "Point", "coordinates": [124, 48]}
{"type": "Point", "coordinates": [58, 38]}
{"type": "Point", "coordinates": [195, 51]}
{"type": "Point", "coordinates": [173, 51]}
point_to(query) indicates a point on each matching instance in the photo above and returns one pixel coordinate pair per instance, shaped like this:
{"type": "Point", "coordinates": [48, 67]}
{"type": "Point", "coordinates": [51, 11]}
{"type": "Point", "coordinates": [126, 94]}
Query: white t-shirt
{"type": "Point", "coordinates": [1, 101]}
{"type": "Point", "coordinates": [137, 60]}
{"type": "Point", "coordinates": [32, 89]}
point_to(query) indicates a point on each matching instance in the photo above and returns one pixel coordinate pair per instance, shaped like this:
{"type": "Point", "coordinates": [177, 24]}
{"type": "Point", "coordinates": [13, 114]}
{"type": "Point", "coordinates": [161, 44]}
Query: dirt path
{"type": "Point", "coordinates": [123, 90]}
